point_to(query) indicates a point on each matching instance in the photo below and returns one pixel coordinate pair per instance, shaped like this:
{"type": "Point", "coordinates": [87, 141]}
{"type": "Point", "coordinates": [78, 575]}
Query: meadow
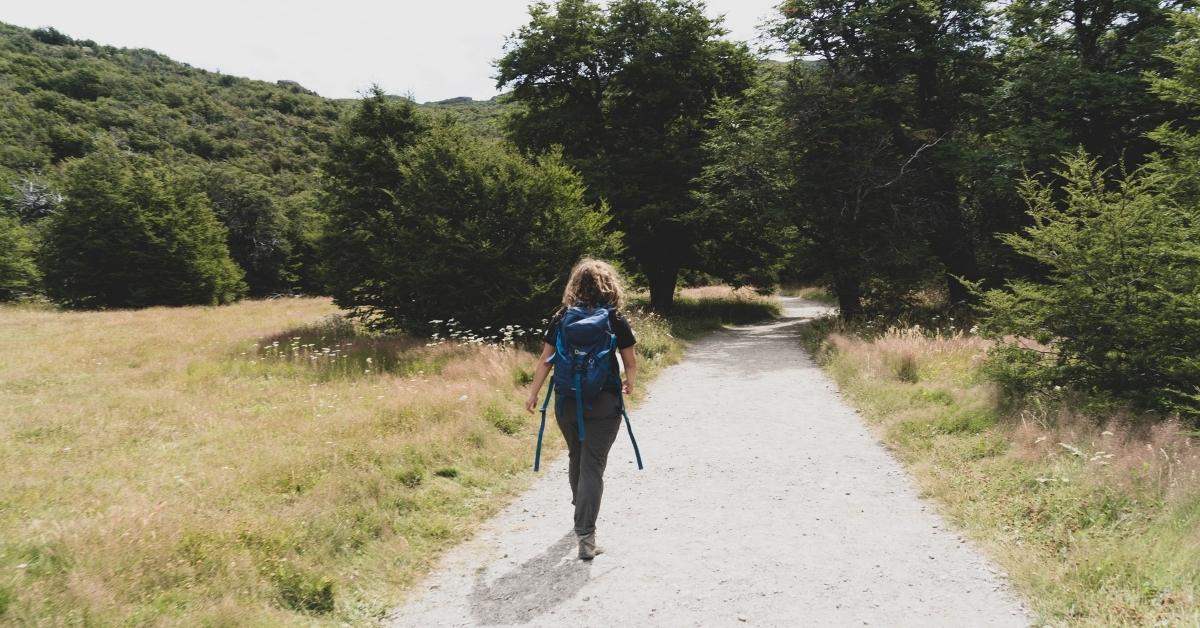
{"type": "Point", "coordinates": [1095, 517]}
{"type": "Point", "coordinates": [265, 462]}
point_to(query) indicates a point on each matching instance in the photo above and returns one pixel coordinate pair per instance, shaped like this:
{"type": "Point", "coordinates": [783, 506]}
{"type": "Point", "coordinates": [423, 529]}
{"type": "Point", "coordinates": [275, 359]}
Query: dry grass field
{"type": "Point", "coordinates": [263, 463]}
{"type": "Point", "coordinates": [1097, 522]}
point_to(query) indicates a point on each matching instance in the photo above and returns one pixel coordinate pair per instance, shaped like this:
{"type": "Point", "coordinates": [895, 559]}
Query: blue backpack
{"type": "Point", "coordinates": [582, 363]}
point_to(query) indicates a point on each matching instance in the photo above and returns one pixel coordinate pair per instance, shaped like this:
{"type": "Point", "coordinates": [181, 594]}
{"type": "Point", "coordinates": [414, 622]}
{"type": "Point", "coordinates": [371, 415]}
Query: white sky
{"type": "Point", "coordinates": [431, 50]}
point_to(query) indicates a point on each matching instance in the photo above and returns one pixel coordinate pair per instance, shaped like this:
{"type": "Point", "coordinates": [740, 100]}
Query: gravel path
{"type": "Point", "coordinates": [765, 501]}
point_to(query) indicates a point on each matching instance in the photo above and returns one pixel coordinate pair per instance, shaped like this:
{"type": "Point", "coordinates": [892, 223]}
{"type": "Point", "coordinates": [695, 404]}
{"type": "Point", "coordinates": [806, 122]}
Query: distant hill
{"type": "Point", "coordinates": [57, 94]}
{"type": "Point", "coordinates": [484, 117]}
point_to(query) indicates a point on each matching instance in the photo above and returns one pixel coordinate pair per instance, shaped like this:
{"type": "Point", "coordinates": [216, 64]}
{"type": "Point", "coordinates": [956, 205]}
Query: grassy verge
{"type": "Point", "coordinates": [810, 293]}
{"type": "Point", "coordinates": [261, 463]}
{"type": "Point", "coordinates": [1097, 522]}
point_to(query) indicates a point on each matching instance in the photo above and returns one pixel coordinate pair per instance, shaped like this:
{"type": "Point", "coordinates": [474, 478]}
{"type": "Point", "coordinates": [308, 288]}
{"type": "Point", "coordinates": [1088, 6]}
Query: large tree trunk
{"type": "Point", "coordinates": [662, 287]}
{"type": "Point", "coordinates": [849, 295]}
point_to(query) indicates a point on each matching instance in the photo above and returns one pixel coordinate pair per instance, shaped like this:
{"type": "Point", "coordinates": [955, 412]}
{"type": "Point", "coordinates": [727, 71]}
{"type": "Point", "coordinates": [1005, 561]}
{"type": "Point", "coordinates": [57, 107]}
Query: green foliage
{"type": "Point", "coordinates": [1117, 315]}
{"type": "Point", "coordinates": [1180, 156]}
{"type": "Point", "coordinates": [19, 274]}
{"type": "Point", "coordinates": [447, 472]}
{"type": "Point", "coordinates": [626, 91]}
{"type": "Point", "coordinates": [254, 145]}
{"type": "Point", "coordinates": [1073, 77]}
{"type": "Point", "coordinates": [506, 422]}
{"type": "Point", "coordinates": [484, 118]}
{"type": "Point", "coordinates": [429, 224]}
{"type": "Point", "coordinates": [412, 477]}
{"type": "Point", "coordinates": [59, 94]}
{"type": "Point", "coordinates": [1182, 86]}
{"type": "Point", "coordinates": [1070, 77]}
{"type": "Point", "coordinates": [905, 80]}
{"type": "Point", "coordinates": [134, 233]}
{"type": "Point", "coordinates": [1119, 310]}
{"type": "Point", "coordinates": [742, 193]}
{"type": "Point", "coordinates": [268, 235]}
{"type": "Point", "coordinates": [846, 177]}
{"type": "Point", "coordinates": [302, 591]}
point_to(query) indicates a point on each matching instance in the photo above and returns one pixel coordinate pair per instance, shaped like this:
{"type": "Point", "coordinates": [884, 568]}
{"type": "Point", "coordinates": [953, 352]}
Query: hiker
{"type": "Point", "coordinates": [593, 295]}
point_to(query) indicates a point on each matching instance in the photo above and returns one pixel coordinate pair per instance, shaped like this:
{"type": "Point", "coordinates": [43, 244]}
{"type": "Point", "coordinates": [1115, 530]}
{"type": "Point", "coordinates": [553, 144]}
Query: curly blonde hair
{"type": "Point", "coordinates": [594, 283]}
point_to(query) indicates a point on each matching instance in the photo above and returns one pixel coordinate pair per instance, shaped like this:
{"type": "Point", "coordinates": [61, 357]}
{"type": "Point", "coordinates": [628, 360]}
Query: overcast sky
{"type": "Point", "coordinates": [432, 50]}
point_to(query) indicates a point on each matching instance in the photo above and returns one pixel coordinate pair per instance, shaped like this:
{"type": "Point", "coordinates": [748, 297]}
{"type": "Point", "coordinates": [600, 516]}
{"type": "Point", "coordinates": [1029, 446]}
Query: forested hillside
{"type": "Point", "coordinates": [253, 148]}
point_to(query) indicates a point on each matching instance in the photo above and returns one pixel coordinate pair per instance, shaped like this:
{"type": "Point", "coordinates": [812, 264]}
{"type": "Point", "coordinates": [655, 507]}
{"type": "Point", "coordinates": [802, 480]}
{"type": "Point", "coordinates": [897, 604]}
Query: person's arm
{"type": "Point", "coordinates": [540, 371]}
{"type": "Point", "coordinates": [629, 359]}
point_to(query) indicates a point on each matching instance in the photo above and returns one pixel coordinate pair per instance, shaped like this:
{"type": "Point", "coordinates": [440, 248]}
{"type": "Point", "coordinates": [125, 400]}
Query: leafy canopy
{"type": "Point", "coordinates": [430, 223]}
{"type": "Point", "coordinates": [626, 91]}
{"type": "Point", "coordinates": [1119, 310]}
{"type": "Point", "coordinates": [134, 233]}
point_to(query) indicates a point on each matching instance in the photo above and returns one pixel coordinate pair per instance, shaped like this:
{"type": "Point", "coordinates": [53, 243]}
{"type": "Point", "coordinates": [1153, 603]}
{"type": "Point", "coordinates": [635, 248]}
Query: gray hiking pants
{"type": "Point", "coordinates": [602, 421]}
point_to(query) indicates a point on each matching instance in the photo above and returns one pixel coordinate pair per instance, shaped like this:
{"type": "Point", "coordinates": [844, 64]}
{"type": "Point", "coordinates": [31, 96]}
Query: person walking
{"type": "Point", "coordinates": [594, 292]}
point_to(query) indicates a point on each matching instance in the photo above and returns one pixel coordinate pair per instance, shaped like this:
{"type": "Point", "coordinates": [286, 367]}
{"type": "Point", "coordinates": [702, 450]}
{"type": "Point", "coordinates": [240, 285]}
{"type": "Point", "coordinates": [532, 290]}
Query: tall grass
{"type": "Point", "coordinates": [266, 463]}
{"type": "Point", "coordinates": [1096, 520]}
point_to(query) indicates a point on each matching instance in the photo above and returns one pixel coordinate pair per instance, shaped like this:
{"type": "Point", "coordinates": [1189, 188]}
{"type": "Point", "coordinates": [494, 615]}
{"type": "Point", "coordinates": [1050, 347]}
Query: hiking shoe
{"type": "Point", "coordinates": [588, 548]}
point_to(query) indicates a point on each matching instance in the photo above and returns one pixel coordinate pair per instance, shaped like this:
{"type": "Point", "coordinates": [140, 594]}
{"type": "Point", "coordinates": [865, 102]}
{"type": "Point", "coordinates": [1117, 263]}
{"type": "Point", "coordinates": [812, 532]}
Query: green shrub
{"type": "Point", "coordinates": [935, 396]}
{"type": "Point", "coordinates": [987, 447]}
{"type": "Point", "coordinates": [411, 477]}
{"type": "Point", "coordinates": [1118, 310]}
{"type": "Point", "coordinates": [429, 224]}
{"type": "Point", "coordinates": [301, 591]}
{"type": "Point", "coordinates": [260, 236]}
{"type": "Point", "coordinates": [18, 270]}
{"type": "Point", "coordinates": [135, 233]}
{"type": "Point", "coordinates": [506, 422]}
{"type": "Point", "coordinates": [522, 376]}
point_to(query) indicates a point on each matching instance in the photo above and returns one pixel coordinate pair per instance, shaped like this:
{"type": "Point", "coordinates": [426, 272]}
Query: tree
{"type": "Point", "coordinates": [1179, 157]}
{"type": "Point", "coordinates": [362, 171]}
{"type": "Point", "coordinates": [18, 271]}
{"type": "Point", "coordinates": [135, 233]}
{"type": "Point", "coordinates": [430, 223]}
{"type": "Point", "coordinates": [1073, 77]}
{"type": "Point", "coordinates": [1117, 306]}
{"type": "Point", "coordinates": [743, 193]}
{"type": "Point", "coordinates": [850, 189]}
{"type": "Point", "coordinates": [1119, 309]}
{"type": "Point", "coordinates": [259, 231]}
{"type": "Point", "coordinates": [257, 146]}
{"type": "Point", "coordinates": [626, 92]}
{"type": "Point", "coordinates": [919, 70]}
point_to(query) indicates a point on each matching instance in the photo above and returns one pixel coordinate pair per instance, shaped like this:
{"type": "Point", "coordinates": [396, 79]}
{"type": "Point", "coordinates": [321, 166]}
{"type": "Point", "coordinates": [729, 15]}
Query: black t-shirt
{"type": "Point", "coordinates": [620, 327]}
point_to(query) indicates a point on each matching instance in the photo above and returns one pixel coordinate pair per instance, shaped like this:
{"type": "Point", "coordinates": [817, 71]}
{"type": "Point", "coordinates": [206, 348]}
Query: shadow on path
{"type": "Point", "coordinates": [533, 588]}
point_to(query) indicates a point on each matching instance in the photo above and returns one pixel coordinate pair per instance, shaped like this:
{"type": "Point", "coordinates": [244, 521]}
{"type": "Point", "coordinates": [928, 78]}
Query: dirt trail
{"type": "Point", "coordinates": [765, 501]}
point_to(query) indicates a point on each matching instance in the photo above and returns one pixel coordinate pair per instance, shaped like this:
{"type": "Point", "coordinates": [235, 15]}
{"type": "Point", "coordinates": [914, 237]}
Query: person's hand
{"type": "Point", "coordinates": [531, 402]}
{"type": "Point", "coordinates": [627, 387]}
